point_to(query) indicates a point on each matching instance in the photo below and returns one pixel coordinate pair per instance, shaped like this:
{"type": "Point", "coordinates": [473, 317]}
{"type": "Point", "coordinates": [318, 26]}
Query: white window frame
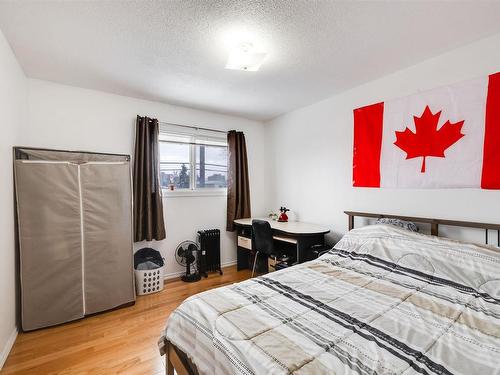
{"type": "Point", "coordinates": [196, 137]}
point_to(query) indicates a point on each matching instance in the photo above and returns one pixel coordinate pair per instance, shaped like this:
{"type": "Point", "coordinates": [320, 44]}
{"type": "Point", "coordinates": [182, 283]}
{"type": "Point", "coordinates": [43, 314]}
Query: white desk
{"type": "Point", "coordinates": [302, 235]}
{"type": "Point", "coordinates": [294, 228]}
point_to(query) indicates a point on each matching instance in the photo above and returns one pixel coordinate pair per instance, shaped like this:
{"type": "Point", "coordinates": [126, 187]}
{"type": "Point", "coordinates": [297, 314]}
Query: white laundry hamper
{"type": "Point", "coordinates": [149, 281]}
{"type": "Point", "coordinates": [149, 269]}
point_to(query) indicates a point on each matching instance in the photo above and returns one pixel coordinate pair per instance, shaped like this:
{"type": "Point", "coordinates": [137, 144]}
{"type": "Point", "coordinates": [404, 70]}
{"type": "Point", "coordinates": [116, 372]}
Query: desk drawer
{"type": "Point", "coordinates": [245, 242]}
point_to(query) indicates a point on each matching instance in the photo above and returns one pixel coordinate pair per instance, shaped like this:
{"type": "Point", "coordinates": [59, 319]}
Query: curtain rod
{"type": "Point", "coordinates": [193, 127]}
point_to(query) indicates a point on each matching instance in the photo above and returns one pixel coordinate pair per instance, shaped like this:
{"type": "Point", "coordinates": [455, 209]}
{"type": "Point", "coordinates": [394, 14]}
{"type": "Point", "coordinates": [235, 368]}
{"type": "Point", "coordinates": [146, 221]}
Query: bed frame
{"type": "Point", "coordinates": [434, 223]}
{"type": "Point", "coordinates": [176, 359]}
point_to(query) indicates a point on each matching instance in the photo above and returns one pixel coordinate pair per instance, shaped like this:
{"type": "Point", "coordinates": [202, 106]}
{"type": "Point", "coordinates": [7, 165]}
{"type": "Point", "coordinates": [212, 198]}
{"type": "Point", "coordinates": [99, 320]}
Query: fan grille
{"type": "Point", "coordinates": [186, 252]}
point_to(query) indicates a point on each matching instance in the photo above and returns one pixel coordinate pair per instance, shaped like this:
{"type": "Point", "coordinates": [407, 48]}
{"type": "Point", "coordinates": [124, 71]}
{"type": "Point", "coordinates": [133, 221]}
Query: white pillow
{"type": "Point", "coordinates": [398, 223]}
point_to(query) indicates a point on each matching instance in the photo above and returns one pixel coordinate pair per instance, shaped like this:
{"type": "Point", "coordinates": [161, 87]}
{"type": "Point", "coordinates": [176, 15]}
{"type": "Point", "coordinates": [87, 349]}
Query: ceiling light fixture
{"type": "Point", "coordinates": [245, 57]}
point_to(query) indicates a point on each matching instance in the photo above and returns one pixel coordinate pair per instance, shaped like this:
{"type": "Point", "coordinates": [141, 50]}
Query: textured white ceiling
{"type": "Point", "coordinates": [175, 51]}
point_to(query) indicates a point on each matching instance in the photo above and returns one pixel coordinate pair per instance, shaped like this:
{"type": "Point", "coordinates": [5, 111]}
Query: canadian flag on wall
{"type": "Point", "coordinates": [444, 138]}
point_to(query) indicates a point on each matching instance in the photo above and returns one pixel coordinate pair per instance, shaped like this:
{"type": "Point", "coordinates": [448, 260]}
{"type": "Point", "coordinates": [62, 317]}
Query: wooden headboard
{"type": "Point", "coordinates": [433, 222]}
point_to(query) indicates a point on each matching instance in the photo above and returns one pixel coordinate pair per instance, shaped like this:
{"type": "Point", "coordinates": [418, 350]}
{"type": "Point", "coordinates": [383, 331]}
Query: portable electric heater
{"type": "Point", "coordinates": [209, 244]}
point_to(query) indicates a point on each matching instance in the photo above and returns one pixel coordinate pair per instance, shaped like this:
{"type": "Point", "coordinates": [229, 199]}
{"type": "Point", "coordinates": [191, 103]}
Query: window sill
{"type": "Point", "coordinates": [185, 193]}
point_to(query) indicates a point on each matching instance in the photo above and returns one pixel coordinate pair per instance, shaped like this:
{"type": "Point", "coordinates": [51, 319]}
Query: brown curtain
{"type": "Point", "coordinates": [148, 205]}
{"type": "Point", "coordinates": [238, 189]}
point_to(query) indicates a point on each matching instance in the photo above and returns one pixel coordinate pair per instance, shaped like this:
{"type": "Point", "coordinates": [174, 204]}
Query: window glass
{"type": "Point", "coordinates": [182, 154]}
{"type": "Point", "coordinates": [211, 166]}
{"type": "Point", "coordinates": [175, 165]}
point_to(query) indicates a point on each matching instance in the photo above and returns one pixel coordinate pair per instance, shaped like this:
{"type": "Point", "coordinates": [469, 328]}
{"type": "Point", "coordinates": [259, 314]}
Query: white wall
{"type": "Point", "coordinates": [310, 150]}
{"type": "Point", "coordinates": [71, 118]}
{"type": "Point", "coordinates": [12, 112]}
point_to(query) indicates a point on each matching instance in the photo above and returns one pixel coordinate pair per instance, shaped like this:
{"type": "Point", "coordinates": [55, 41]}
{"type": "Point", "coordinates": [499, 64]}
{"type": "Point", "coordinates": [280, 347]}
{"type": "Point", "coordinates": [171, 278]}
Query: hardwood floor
{"type": "Point", "coordinates": [123, 341]}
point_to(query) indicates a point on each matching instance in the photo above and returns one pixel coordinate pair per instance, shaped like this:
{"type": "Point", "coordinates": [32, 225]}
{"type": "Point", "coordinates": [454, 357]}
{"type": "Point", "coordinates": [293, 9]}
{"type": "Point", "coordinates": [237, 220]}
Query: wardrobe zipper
{"type": "Point", "coordinates": [82, 235]}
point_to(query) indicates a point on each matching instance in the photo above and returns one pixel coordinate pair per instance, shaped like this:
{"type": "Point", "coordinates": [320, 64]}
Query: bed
{"type": "Point", "coordinates": [384, 300]}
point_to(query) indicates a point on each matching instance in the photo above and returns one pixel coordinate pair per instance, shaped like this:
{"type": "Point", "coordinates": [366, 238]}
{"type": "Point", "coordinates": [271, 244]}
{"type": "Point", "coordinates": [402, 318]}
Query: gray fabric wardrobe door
{"type": "Point", "coordinates": [107, 235]}
{"type": "Point", "coordinates": [48, 205]}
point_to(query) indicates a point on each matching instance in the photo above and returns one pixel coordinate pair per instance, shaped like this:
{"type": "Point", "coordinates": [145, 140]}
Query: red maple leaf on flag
{"type": "Point", "coordinates": [427, 139]}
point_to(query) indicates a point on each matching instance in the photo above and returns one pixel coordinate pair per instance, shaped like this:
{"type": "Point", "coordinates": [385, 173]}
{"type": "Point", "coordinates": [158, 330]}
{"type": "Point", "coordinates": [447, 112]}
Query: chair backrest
{"type": "Point", "coordinates": [262, 236]}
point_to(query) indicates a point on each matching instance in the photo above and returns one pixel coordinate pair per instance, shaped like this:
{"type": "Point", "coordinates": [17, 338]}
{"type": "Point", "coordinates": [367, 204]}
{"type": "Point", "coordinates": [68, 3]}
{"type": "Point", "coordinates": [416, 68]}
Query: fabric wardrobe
{"type": "Point", "coordinates": [74, 216]}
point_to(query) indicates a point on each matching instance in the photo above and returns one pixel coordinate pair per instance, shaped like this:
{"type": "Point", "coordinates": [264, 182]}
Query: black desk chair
{"type": "Point", "coordinates": [262, 240]}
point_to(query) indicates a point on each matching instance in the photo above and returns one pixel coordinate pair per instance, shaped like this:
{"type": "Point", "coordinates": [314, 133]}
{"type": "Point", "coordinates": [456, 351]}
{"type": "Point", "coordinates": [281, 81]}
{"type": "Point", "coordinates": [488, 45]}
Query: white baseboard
{"type": "Point", "coordinates": [173, 275]}
{"type": "Point", "coordinates": [8, 346]}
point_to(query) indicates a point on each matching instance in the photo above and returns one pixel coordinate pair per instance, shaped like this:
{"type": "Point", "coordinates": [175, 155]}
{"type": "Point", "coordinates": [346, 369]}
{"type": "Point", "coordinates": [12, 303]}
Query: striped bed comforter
{"type": "Point", "coordinates": [383, 301]}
